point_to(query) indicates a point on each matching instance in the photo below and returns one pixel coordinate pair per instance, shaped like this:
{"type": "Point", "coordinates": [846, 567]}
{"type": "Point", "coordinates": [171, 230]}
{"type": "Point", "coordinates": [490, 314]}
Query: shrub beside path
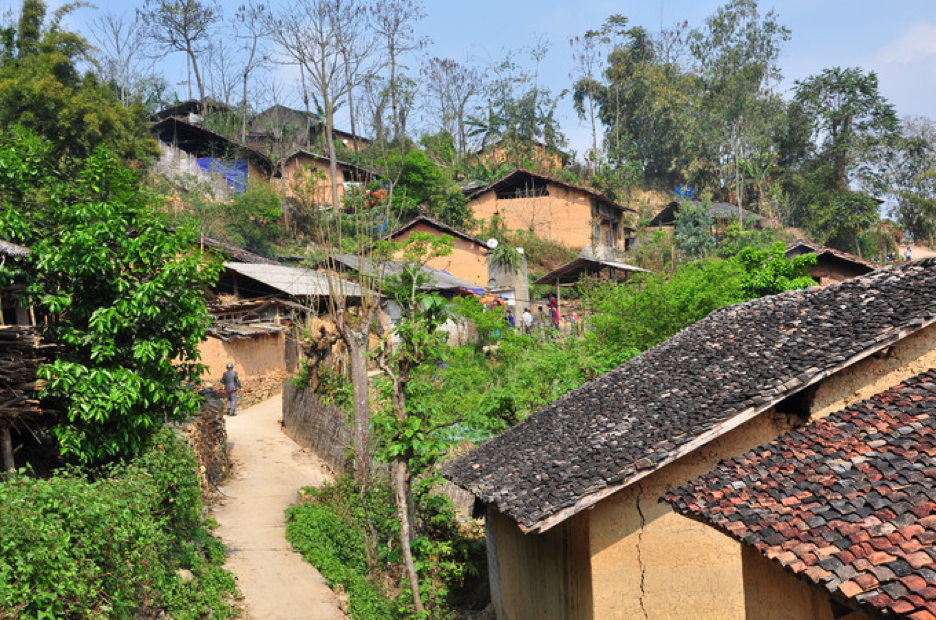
{"type": "Point", "coordinates": [269, 469]}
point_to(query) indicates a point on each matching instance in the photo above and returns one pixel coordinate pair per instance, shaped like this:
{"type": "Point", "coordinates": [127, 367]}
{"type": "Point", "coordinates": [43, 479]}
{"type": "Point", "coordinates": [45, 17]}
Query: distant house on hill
{"type": "Point", "coordinates": [188, 148]}
{"type": "Point", "coordinates": [722, 212]}
{"type": "Point", "coordinates": [294, 174]}
{"type": "Point", "coordinates": [832, 266]}
{"type": "Point", "coordinates": [530, 154]}
{"type": "Point", "coordinates": [469, 257]}
{"type": "Point", "coordinates": [572, 215]}
{"type": "Point", "coordinates": [280, 130]}
{"type": "Point", "coordinates": [572, 495]}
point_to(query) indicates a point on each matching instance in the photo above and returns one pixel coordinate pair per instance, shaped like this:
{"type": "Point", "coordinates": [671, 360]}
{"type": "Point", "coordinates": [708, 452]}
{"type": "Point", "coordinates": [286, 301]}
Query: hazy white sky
{"type": "Point", "coordinates": [896, 39]}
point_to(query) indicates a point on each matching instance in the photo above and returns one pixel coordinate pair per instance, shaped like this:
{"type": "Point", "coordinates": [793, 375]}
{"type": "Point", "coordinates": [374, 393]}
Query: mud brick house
{"type": "Point", "coordinates": [279, 130]}
{"type": "Point", "coordinates": [190, 149]}
{"type": "Point", "coordinates": [256, 305]}
{"type": "Point", "coordinates": [721, 212]}
{"type": "Point", "coordinates": [531, 154]}
{"type": "Point", "coordinates": [572, 215]}
{"type": "Point", "coordinates": [846, 504]}
{"type": "Point", "coordinates": [832, 266]}
{"type": "Point", "coordinates": [294, 175]}
{"type": "Point", "coordinates": [469, 257]}
{"type": "Point", "coordinates": [575, 523]}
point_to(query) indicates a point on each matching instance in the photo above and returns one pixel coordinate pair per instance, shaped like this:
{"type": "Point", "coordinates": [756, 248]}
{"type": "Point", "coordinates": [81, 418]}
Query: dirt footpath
{"type": "Point", "coordinates": [269, 469]}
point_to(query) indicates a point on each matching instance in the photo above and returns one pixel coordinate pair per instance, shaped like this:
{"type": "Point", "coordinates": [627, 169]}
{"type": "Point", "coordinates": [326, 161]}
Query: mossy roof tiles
{"type": "Point", "coordinates": [707, 379]}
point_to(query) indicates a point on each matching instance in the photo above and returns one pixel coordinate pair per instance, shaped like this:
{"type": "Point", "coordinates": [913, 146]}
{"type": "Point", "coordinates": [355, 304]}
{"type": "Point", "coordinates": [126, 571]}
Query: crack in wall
{"type": "Point", "coordinates": [640, 562]}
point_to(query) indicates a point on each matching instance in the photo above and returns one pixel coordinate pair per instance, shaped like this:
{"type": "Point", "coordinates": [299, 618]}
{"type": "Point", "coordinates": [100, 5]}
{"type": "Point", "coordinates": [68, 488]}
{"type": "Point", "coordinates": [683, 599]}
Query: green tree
{"type": "Point", "coordinates": [848, 119]}
{"type": "Point", "coordinates": [122, 297]}
{"type": "Point", "coordinates": [738, 55]}
{"type": "Point", "coordinates": [41, 88]}
{"type": "Point", "coordinates": [410, 449]}
{"type": "Point", "coordinates": [693, 231]}
{"type": "Point", "coordinates": [768, 272]}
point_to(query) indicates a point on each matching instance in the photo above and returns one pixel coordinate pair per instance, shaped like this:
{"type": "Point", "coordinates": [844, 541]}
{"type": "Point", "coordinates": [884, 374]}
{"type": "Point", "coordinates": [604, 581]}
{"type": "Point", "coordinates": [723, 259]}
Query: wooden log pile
{"type": "Point", "coordinates": [207, 434]}
{"type": "Point", "coordinates": [21, 353]}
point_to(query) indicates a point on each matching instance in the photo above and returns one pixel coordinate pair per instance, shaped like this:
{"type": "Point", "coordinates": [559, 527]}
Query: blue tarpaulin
{"type": "Point", "coordinates": [234, 172]}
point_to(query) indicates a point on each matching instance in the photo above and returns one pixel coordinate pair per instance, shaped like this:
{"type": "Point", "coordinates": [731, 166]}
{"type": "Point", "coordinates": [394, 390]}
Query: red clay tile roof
{"type": "Point", "coordinates": [699, 384]}
{"type": "Point", "coordinates": [819, 250]}
{"type": "Point", "coordinates": [846, 502]}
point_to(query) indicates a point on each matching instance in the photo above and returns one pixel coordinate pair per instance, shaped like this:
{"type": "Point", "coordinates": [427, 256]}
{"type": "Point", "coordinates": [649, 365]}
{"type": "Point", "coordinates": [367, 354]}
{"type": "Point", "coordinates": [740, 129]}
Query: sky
{"type": "Point", "coordinates": [895, 39]}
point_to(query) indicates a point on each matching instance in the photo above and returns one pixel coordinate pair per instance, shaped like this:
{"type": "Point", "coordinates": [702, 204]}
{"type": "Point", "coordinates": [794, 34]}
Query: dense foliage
{"type": "Point", "coordinates": [121, 294]}
{"type": "Point", "coordinates": [111, 544]}
{"type": "Point", "coordinates": [330, 528]}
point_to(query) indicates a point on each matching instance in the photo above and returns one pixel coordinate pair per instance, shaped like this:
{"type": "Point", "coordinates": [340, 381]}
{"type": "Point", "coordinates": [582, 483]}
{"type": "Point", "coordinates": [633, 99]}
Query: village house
{"type": "Point", "coordinates": [723, 213]}
{"type": "Point", "coordinates": [306, 177]}
{"type": "Point", "coordinates": [572, 496]}
{"type": "Point", "coordinates": [469, 257]}
{"type": "Point", "coordinates": [832, 266]}
{"type": "Point", "coordinates": [529, 154]}
{"type": "Point", "coordinates": [257, 309]}
{"type": "Point", "coordinates": [572, 215]}
{"type": "Point", "coordinates": [280, 130]}
{"type": "Point", "coordinates": [190, 149]}
{"type": "Point", "coordinates": [844, 504]}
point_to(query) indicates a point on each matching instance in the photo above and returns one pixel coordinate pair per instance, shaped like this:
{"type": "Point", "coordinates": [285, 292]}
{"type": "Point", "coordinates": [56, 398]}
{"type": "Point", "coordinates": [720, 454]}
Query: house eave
{"type": "Point", "coordinates": [716, 431]}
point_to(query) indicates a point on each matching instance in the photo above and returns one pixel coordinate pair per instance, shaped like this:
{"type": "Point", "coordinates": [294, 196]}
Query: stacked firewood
{"type": "Point", "coordinates": [21, 353]}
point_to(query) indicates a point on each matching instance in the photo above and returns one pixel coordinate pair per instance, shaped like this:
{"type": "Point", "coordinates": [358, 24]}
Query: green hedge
{"type": "Point", "coordinates": [72, 547]}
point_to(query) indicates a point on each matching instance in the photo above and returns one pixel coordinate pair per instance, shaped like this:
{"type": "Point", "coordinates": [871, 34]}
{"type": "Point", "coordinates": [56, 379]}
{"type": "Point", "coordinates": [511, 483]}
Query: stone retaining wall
{"type": "Point", "coordinates": [322, 428]}
{"type": "Point", "coordinates": [207, 434]}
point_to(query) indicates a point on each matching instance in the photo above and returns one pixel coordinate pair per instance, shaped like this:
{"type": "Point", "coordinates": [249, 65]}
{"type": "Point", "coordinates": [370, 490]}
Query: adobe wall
{"type": "Point", "coordinates": [771, 593]}
{"type": "Point", "coordinates": [322, 191]}
{"type": "Point", "coordinates": [254, 358]}
{"type": "Point", "coordinates": [563, 216]}
{"type": "Point", "coordinates": [647, 561]}
{"type": "Point", "coordinates": [543, 576]}
{"type": "Point", "coordinates": [467, 261]}
{"type": "Point", "coordinates": [907, 358]}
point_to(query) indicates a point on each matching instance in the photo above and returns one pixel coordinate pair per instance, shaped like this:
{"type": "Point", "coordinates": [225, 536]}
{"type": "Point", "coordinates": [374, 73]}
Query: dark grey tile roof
{"type": "Point", "coordinates": [845, 502]}
{"type": "Point", "coordinates": [713, 375]}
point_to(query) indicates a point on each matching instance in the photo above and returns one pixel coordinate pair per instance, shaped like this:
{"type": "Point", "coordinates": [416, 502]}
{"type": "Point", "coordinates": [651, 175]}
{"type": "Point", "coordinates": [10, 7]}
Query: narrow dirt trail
{"type": "Point", "coordinates": [269, 469]}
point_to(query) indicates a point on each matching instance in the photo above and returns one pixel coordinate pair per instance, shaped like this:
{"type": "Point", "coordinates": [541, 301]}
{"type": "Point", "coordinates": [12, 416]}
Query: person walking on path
{"type": "Point", "coordinates": [527, 321]}
{"type": "Point", "coordinates": [230, 383]}
{"type": "Point", "coordinates": [511, 320]}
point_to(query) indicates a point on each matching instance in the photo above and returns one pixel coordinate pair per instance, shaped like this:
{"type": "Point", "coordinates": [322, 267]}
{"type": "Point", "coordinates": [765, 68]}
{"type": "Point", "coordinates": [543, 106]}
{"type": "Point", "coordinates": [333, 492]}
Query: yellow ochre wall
{"type": "Point", "coordinates": [907, 358]}
{"type": "Point", "coordinates": [322, 193]}
{"type": "Point", "coordinates": [647, 561]}
{"type": "Point", "coordinates": [467, 261]}
{"type": "Point", "coordinates": [540, 577]}
{"type": "Point", "coordinates": [565, 215]}
{"type": "Point", "coordinates": [252, 357]}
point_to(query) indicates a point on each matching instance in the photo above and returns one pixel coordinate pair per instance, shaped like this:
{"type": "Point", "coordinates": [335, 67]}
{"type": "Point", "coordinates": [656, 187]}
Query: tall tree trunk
{"type": "Point", "coordinates": [357, 354]}
{"type": "Point", "coordinates": [400, 478]}
{"type": "Point", "coordinates": [332, 156]}
{"type": "Point", "coordinates": [6, 447]}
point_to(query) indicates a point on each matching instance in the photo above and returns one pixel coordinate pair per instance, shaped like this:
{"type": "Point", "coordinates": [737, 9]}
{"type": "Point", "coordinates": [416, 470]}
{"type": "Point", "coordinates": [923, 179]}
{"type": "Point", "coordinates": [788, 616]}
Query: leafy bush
{"type": "Point", "coordinates": [111, 547]}
{"type": "Point", "coordinates": [328, 530]}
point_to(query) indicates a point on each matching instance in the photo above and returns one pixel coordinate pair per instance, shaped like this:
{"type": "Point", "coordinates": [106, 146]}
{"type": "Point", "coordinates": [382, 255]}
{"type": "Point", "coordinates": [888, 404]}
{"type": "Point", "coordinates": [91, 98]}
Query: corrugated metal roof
{"type": "Point", "coordinates": [572, 271]}
{"type": "Point", "coordinates": [439, 280]}
{"type": "Point", "coordinates": [296, 281]}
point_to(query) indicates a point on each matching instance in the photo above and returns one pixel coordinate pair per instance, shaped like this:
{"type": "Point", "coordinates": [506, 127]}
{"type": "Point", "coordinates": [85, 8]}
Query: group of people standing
{"type": "Point", "coordinates": [540, 321]}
